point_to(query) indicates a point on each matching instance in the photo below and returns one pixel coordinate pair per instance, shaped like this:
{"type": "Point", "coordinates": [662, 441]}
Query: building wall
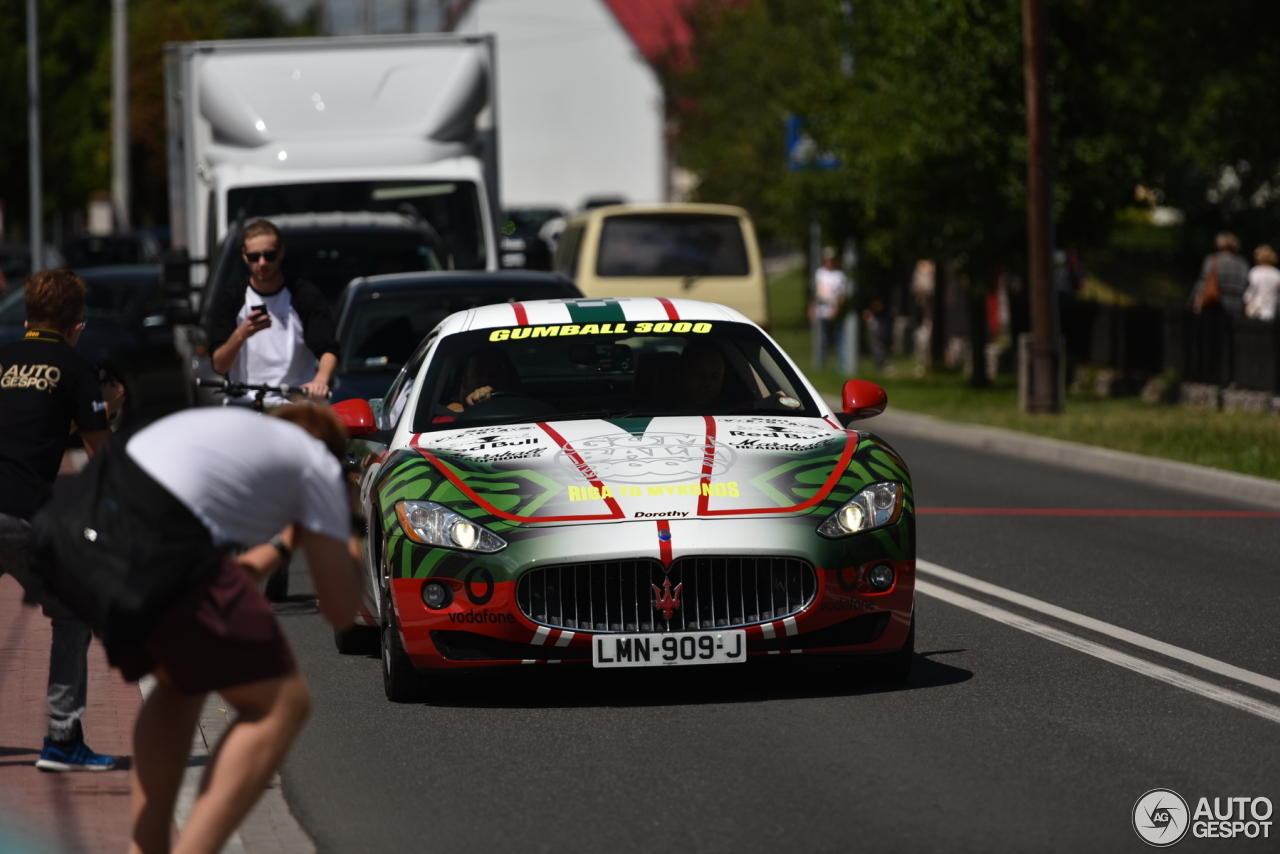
{"type": "Point", "coordinates": [580, 112]}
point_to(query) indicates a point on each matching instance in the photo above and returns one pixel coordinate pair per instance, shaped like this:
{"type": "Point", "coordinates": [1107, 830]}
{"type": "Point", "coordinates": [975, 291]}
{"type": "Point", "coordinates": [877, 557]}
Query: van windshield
{"type": "Point", "coordinates": [450, 206]}
{"type": "Point", "coordinates": [669, 244]}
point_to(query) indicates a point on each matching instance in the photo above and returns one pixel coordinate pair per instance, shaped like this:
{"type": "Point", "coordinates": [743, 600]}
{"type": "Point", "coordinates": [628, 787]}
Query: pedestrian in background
{"type": "Point", "coordinates": [1264, 285]}
{"type": "Point", "coordinates": [47, 390]}
{"type": "Point", "coordinates": [1224, 275]}
{"type": "Point", "coordinates": [879, 322]}
{"type": "Point", "coordinates": [831, 290]}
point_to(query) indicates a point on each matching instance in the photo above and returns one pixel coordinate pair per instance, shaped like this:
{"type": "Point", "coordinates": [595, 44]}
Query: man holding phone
{"type": "Point", "coordinates": [278, 330]}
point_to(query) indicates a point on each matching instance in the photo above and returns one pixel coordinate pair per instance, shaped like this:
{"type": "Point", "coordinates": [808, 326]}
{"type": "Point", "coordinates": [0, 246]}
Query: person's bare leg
{"type": "Point", "coordinates": [269, 715]}
{"type": "Point", "coordinates": [161, 744]}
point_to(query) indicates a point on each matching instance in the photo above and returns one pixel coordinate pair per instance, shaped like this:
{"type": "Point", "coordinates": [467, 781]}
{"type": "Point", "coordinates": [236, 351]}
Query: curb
{"type": "Point", "coordinates": [1185, 477]}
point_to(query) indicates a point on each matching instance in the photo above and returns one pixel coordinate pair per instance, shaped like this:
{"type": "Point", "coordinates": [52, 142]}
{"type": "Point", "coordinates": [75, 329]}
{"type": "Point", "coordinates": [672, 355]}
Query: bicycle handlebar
{"type": "Point", "coordinates": [233, 387]}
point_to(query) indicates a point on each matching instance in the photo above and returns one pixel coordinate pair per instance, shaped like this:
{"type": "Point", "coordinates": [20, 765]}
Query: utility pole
{"type": "Point", "coordinates": [410, 16]}
{"type": "Point", "coordinates": [33, 131]}
{"type": "Point", "coordinates": [120, 114]}
{"type": "Point", "coordinates": [1045, 395]}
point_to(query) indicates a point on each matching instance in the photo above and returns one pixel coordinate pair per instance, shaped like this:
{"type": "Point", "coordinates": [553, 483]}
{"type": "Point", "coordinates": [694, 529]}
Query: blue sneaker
{"type": "Point", "coordinates": [54, 758]}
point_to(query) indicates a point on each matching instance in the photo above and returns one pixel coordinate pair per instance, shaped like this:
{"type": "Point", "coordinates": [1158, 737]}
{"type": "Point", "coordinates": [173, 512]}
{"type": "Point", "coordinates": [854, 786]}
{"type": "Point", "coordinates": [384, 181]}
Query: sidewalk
{"type": "Point", "coordinates": [79, 812]}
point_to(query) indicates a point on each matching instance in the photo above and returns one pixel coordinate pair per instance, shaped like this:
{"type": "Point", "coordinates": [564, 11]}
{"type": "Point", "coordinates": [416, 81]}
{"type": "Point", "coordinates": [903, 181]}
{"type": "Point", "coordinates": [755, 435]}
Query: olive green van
{"type": "Point", "coordinates": [678, 250]}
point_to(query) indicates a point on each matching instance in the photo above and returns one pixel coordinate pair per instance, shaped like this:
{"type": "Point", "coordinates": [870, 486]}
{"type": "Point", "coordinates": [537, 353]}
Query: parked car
{"type": "Point", "coordinates": [689, 251]}
{"type": "Point", "coordinates": [381, 319]}
{"type": "Point", "coordinates": [125, 333]}
{"type": "Point", "coordinates": [634, 483]}
{"type": "Point", "coordinates": [329, 250]}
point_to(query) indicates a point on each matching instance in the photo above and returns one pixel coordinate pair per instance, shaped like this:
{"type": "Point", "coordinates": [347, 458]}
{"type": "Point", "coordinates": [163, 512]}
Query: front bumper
{"type": "Point", "coordinates": [483, 626]}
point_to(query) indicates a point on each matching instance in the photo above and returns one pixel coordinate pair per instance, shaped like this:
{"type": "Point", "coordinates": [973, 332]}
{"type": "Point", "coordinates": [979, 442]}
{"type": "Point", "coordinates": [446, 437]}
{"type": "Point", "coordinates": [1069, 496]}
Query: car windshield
{"type": "Point", "coordinates": [450, 206]}
{"type": "Point", "coordinates": [383, 327]}
{"type": "Point", "coordinates": [672, 245]}
{"type": "Point", "coordinates": [607, 370]}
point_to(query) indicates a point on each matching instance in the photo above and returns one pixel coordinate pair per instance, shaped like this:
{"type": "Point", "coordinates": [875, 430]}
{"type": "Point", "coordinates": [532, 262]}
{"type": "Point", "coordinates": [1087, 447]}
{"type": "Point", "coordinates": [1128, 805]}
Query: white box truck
{"type": "Point", "coordinates": [292, 126]}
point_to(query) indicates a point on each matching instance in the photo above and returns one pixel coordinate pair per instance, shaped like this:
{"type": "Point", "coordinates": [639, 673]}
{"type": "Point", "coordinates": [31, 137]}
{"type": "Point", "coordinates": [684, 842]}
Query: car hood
{"type": "Point", "coordinates": [589, 471]}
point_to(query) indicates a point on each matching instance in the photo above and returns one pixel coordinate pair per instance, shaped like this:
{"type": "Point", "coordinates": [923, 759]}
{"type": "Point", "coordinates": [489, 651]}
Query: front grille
{"type": "Point", "coordinates": [714, 593]}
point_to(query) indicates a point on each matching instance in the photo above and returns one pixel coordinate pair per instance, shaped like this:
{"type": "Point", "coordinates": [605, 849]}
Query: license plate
{"type": "Point", "coordinates": [661, 650]}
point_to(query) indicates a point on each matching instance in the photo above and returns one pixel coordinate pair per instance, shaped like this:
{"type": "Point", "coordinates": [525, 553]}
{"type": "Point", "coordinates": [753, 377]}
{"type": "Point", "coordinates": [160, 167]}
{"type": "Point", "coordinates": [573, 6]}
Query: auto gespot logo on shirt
{"type": "Point", "coordinates": [515, 333]}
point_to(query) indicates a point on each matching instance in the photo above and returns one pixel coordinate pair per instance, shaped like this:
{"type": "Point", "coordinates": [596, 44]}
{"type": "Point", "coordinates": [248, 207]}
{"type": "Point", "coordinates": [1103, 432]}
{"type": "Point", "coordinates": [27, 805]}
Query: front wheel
{"type": "Point", "coordinates": [400, 679]}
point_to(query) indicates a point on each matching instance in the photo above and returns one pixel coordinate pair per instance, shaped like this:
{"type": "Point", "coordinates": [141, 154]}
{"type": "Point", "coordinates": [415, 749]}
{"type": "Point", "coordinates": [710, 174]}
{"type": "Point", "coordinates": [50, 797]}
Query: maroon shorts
{"type": "Point", "coordinates": [220, 635]}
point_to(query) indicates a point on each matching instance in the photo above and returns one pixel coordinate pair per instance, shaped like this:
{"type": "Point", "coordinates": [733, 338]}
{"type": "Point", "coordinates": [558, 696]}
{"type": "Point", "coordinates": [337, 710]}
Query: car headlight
{"type": "Point", "coordinates": [433, 525]}
{"type": "Point", "coordinates": [874, 507]}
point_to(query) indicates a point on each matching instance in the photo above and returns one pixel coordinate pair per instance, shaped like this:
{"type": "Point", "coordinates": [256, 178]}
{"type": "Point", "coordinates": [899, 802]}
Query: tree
{"type": "Point", "coordinates": [1173, 95]}
{"type": "Point", "coordinates": [75, 71]}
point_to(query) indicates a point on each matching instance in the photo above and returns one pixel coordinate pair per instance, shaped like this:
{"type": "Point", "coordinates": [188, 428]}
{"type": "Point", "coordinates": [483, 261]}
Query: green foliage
{"type": "Point", "coordinates": [930, 127]}
{"type": "Point", "coordinates": [75, 80]}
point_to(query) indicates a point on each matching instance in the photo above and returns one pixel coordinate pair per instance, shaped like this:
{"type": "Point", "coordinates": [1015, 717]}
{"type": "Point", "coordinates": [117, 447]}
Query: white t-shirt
{"type": "Point", "coordinates": [830, 288]}
{"type": "Point", "coordinates": [278, 354]}
{"type": "Point", "coordinates": [1261, 296]}
{"type": "Point", "coordinates": [244, 475]}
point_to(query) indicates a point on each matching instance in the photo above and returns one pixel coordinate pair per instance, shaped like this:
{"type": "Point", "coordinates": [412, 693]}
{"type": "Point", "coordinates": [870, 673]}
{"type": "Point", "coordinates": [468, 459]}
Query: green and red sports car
{"type": "Point", "coordinates": [624, 483]}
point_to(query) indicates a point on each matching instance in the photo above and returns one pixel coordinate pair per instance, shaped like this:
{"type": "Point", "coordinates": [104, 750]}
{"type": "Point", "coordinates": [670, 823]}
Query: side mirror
{"type": "Point", "coordinates": [356, 416]}
{"type": "Point", "coordinates": [862, 399]}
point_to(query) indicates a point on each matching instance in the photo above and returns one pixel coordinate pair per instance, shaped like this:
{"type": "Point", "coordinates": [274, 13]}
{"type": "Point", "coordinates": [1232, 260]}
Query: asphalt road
{"type": "Point", "coordinates": [1003, 740]}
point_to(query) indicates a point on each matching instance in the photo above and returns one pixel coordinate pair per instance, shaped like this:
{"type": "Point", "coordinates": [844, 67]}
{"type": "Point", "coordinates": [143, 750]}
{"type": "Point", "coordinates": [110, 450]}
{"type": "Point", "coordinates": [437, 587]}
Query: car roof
{"type": "Point", "coordinates": [453, 278]}
{"type": "Point", "coordinates": [584, 311]}
{"type": "Point", "coordinates": [660, 208]}
{"type": "Point", "coordinates": [123, 272]}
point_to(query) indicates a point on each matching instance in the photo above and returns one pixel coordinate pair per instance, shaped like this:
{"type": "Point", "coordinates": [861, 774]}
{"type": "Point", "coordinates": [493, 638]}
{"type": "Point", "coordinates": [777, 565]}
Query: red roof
{"type": "Point", "coordinates": [655, 26]}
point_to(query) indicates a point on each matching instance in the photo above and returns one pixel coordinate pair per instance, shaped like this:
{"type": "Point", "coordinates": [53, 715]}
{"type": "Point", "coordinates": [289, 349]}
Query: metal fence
{"type": "Point", "coordinates": [1139, 340]}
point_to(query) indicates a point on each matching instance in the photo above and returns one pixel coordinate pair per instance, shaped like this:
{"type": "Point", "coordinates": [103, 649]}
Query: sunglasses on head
{"type": "Point", "coordinates": [270, 255]}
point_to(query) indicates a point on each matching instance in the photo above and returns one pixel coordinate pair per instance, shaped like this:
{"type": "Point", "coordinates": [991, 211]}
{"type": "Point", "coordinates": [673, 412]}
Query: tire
{"type": "Point", "coordinates": [277, 586]}
{"type": "Point", "coordinates": [894, 668]}
{"type": "Point", "coordinates": [401, 681]}
{"type": "Point", "coordinates": [357, 640]}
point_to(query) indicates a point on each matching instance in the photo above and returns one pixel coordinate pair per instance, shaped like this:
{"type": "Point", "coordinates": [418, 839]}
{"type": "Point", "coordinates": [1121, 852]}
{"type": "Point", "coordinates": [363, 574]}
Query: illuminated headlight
{"type": "Point", "coordinates": [433, 525]}
{"type": "Point", "coordinates": [874, 507]}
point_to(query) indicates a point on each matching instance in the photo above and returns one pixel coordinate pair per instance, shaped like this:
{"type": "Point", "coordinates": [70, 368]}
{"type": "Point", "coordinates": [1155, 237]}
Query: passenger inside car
{"type": "Point", "coordinates": [487, 370]}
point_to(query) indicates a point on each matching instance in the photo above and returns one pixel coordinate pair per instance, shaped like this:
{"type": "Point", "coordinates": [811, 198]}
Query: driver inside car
{"type": "Point", "coordinates": [487, 371]}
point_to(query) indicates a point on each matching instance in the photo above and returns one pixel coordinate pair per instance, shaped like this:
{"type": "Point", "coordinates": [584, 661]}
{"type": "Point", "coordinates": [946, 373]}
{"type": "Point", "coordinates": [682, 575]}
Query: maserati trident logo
{"type": "Point", "coordinates": [663, 599]}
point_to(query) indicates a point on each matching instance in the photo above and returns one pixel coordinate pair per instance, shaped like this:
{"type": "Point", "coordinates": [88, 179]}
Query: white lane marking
{"type": "Point", "coordinates": [564, 638]}
{"type": "Point", "coordinates": [1186, 656]}
{"type": "Point", "coordinates": [1088, 647]}
{"type": "Point", "coordinates": [540, 636]}
{"type": "Point", "coordinates": [789, 625]}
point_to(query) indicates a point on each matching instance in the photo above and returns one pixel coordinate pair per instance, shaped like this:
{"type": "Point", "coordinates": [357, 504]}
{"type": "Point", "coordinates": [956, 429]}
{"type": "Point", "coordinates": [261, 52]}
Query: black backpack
{"type": "Point", "coordinates": [117, 548]}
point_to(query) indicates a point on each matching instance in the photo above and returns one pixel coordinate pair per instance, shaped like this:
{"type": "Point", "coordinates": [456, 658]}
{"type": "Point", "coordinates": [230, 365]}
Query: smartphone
{"type": "Point", "coordinates": [260, 307]}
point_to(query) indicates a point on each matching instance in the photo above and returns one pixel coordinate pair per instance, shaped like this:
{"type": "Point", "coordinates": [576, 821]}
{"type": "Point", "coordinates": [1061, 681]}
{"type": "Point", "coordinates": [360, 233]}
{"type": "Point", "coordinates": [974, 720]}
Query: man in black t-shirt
{"type": "Point", "coordinates": [274, 329]}
{"type": "Point", "coordinates": [47, 389]}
